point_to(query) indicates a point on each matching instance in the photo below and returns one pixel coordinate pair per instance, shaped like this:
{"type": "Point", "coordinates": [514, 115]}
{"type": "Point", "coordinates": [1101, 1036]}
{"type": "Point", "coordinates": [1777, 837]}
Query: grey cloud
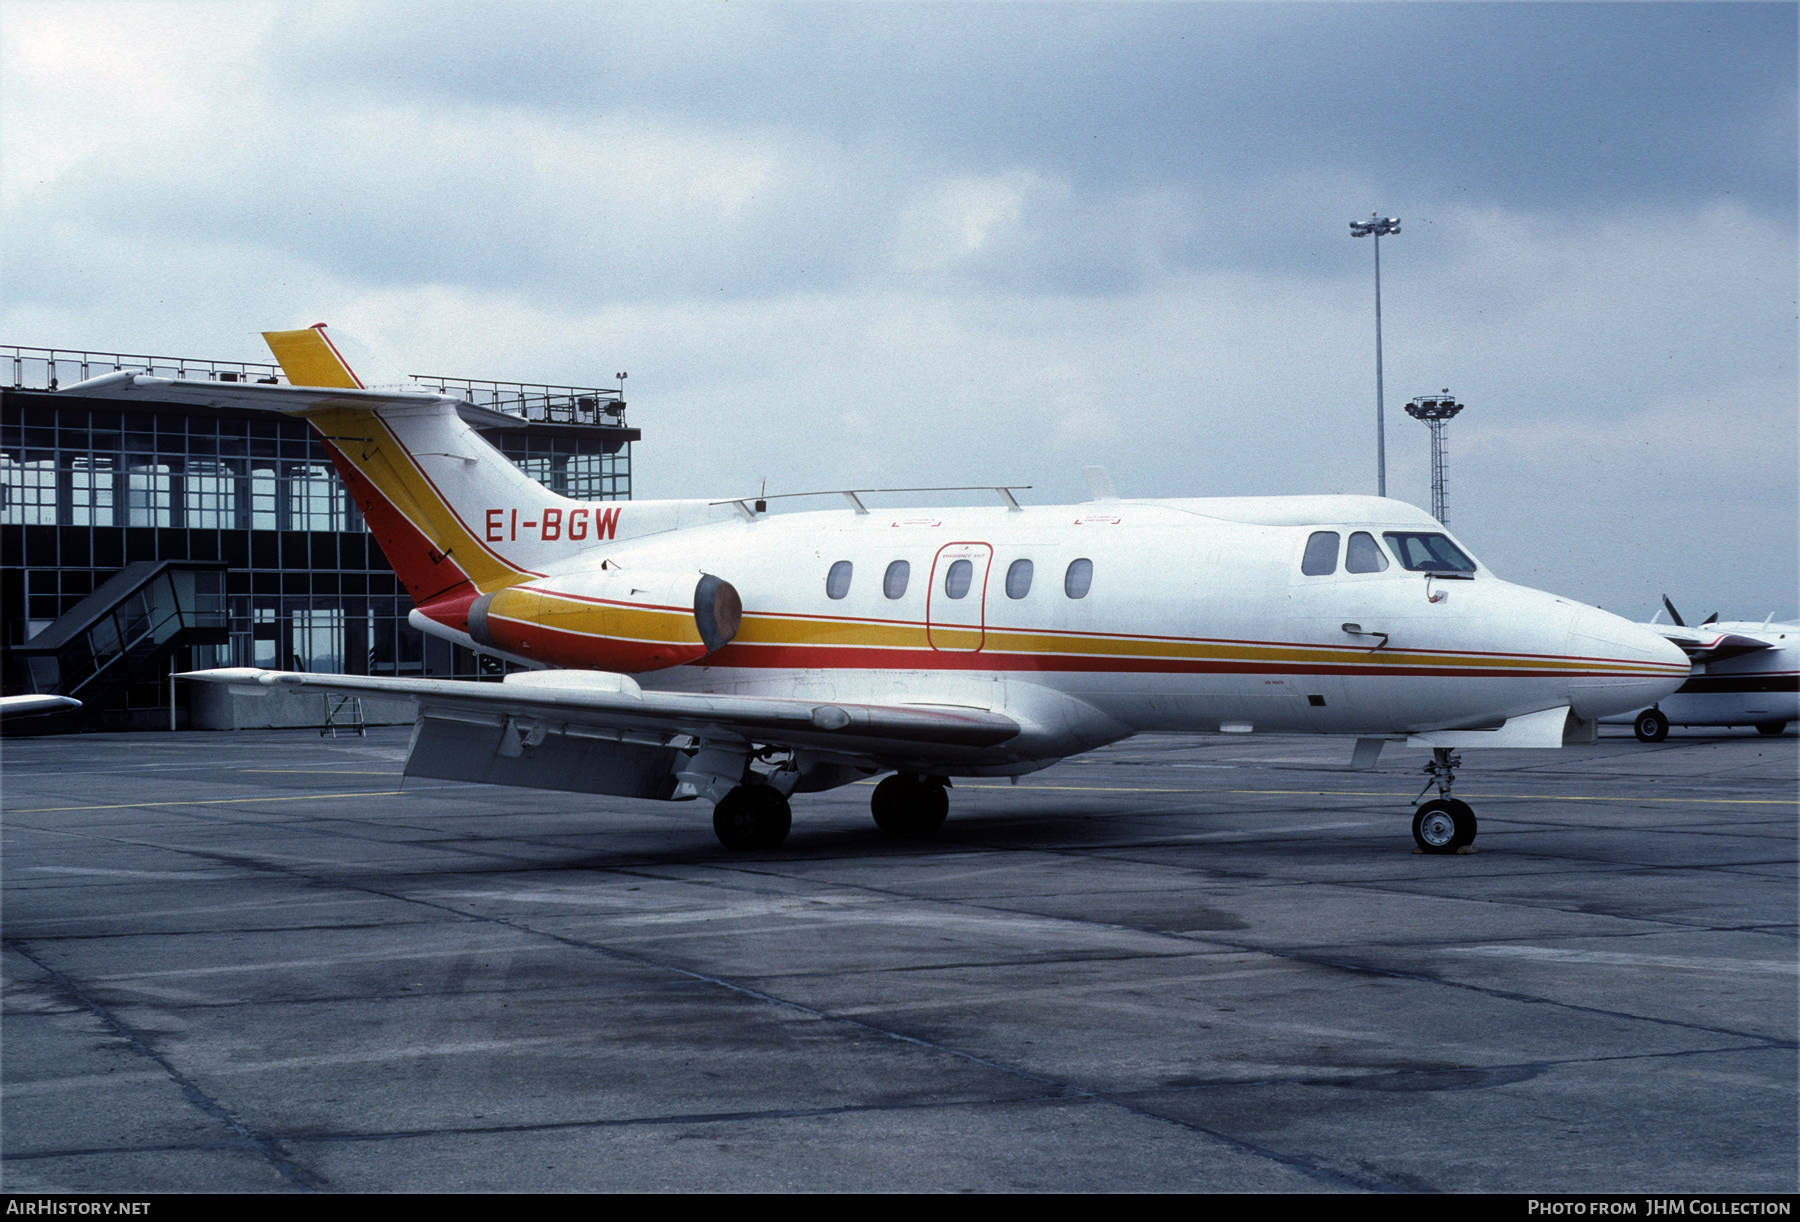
{"type": "Point", "coordinates": [1542, 105]}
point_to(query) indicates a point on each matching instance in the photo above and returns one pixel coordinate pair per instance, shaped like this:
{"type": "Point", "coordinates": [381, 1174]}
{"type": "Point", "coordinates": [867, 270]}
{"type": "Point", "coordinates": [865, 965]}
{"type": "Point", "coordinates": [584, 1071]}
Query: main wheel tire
{"type": "Point", "coordinates": [1651, 726]}
{"type": "Point", "coordinates": [752, 817]}
{"type": "Point", "coordinates": [1771, 727]}
{"type": "Point", "coordinates": [1443, 825]}
{"type": "Point", "coordinates": [907, 805]}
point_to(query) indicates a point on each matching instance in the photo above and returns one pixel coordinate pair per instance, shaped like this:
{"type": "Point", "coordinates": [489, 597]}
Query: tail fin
{"type": "Point", "coordinates": [309, 358]}
{"type": "Point", "coordinates": [454, 517]}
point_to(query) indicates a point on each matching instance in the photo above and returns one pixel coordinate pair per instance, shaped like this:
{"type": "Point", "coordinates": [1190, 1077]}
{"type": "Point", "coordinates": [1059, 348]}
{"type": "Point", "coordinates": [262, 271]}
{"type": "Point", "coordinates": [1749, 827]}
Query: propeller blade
{"type": "Point", "coordinates": [1711, 619]}
{"type": "Point", "coordinates": [1673, 613]}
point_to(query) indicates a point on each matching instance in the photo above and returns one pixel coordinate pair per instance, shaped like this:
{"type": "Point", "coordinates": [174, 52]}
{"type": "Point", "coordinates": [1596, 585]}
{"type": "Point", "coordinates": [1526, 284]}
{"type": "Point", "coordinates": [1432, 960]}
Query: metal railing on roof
{"type": "Point", "coordinates": [48, 368]}
{"type": "Point", "coordinates": [27, 368]}
{"type": "Point", "coordinates": [541, 401]}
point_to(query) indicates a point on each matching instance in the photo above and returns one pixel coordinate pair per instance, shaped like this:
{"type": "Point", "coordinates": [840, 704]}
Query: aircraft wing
{"type": "Point", "coordinates": [1703, 646]}
{"type": "Point", "coordinates": [581, 702]}
{"type": "Point", "coordinates": [264, 396]}
{"type": "Point", "coordinates": [22, 706]}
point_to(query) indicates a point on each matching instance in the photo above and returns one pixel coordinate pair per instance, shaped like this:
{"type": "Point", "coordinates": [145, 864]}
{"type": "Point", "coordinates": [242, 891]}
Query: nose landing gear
{"type": "Point", "coordinates": [1444, 824]}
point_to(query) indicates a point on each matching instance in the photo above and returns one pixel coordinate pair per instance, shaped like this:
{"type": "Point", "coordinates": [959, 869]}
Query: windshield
{"type": "Point", "coordinates": [1423, 553]}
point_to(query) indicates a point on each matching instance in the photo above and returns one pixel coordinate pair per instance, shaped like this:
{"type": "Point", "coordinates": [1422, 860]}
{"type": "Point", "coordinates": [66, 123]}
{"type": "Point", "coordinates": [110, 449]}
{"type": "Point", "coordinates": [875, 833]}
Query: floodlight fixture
{"type": "Point", "coordinates": [1436, 410]}
{"type": "Point", "coordinates": [1377, 226]}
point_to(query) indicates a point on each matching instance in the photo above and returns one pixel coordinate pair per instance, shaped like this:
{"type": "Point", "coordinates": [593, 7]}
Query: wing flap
{"type": "Point", "coordinates": [615, 702]}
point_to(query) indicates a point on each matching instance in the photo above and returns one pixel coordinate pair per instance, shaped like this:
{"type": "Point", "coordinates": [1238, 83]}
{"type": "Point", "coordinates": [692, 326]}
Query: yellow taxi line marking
{"type": "Point", "coordinates": [293, 797]}
{"type": "Point", "coordinates": [1377, 793]}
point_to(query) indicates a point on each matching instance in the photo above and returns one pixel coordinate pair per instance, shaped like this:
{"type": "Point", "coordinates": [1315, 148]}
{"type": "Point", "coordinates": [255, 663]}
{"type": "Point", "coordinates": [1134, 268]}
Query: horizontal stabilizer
{"type": "Point", "coordinates": [267, 397]}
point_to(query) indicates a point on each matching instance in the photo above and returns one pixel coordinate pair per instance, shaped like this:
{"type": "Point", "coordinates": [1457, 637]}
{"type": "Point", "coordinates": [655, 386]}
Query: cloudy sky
{"type": "Point", "coordinates": [896, 244]}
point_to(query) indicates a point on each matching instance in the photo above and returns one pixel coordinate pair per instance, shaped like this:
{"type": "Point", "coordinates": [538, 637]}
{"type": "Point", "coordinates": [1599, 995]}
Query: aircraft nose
{"type": "Point", "coordinates": [1624, 666]}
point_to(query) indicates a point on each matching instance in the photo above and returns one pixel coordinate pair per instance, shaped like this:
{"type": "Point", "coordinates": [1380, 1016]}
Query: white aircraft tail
{"type": "Point", "coordinates": [455, 518]}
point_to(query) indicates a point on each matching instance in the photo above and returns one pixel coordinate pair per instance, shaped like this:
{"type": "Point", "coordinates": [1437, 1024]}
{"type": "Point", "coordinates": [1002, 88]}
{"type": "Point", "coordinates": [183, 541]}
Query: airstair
{"type": "Point", "coordinates": [125, 632]}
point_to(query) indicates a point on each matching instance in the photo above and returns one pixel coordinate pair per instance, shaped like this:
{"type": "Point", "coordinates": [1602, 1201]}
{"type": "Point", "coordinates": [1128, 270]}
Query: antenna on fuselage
{"type": "Point", "coordinates": [1100, 484]}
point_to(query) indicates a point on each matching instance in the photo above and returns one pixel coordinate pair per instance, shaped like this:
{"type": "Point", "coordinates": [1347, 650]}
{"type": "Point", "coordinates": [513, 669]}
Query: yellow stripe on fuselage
{"type": "Point", "coordinates": [616, 621]}
{"type": "Point", "coordinates": [792, 630]}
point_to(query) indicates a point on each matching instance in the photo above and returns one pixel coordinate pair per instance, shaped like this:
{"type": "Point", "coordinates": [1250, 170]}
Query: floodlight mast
{"type": "Point", "coordinates": [1435, 411]}
{"type": "Point", "coordinates": [1377, 226]}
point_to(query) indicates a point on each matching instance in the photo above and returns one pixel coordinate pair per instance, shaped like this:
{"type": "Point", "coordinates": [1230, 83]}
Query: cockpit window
{"type": "Point", "coordinates": [1321, 554]}
{"type": "Point", "coordinates": [1364, 554]}
{"type": "Point", "coordinates": [1423, 553]}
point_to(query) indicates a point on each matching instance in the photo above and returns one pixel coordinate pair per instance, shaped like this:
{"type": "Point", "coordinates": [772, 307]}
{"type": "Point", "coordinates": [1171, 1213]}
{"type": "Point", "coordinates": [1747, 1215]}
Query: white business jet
{"type": "Point", "coordinates": [1744, 674]}
{"type": "Point", "coordinates": [696, 649]}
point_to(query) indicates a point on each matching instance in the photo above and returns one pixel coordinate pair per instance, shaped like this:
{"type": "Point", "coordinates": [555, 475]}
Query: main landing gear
{"type": "Point", "coordinates": [1444, 824]}
{"type": "Point", "coordinates": [752, 817]}
{"type": "Point", "coordinates": [907, 804]}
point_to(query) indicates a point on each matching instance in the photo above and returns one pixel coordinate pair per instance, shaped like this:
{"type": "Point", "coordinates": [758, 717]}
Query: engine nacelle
{"type": "Point", "coordinates": [622, 620]}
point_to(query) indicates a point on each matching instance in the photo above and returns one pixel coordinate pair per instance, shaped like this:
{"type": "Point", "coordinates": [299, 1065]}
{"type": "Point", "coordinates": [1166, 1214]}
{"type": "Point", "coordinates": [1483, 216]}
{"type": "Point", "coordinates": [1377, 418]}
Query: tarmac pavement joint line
{"type": "Point", "coordinates": [1379, 793]}
{"type": "Point", "coordinates": [1064, 1090]}
{"type": "Point", "coordinates": [190, 1090]}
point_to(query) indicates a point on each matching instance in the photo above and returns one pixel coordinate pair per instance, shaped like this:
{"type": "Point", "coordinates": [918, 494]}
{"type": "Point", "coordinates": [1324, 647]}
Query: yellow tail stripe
{"type": "Point", "coordinates": [367, 444]}
{"type": "Point", "coordinates": [308, 358]}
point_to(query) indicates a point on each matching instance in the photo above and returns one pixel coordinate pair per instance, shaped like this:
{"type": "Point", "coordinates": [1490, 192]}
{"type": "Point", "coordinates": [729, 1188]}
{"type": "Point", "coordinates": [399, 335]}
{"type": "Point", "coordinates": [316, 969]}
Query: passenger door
{"type": "Point", "coordinates": [956, 603]}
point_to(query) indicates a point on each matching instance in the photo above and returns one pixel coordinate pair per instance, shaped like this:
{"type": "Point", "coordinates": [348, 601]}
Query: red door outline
{"type": "Point", "coordinates": [937, 602]}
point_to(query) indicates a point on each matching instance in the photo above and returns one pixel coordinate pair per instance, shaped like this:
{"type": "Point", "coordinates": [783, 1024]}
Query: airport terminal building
{"type": "Point", "coordinates": [143, 540]}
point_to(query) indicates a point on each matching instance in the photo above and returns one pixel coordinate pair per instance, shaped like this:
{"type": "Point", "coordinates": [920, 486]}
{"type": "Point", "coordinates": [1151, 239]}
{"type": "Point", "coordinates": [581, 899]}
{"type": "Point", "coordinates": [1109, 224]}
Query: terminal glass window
{"type": "Point", "coordinates": [1079, 578]}
{"type": "Point", "coordinates": [27, 492]}
{"type": "Point", "coordinates": [1364, 554]}
{"type": "Point", "coordinates": [208, 500]}
{"type": "Point", "coordinates": [1321, 554]}
{"type": "Point", "coordinates": [1427, 553]}
{"type": "Point", "coordinates": [264, 500]}
{"type": "Point", "coordinates": [893, 582]}
{"type": "Point", "coordinates": [837, 582]}
{"type": "Point", "coordinates": [91, 491]}
{"type": "Point", "coordinates": [316, 498]}
{"type": "Point", "coordinates": [147, 496]}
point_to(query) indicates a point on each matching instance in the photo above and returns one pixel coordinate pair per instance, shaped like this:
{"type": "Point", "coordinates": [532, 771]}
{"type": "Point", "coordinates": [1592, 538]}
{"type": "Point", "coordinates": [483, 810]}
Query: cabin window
{"type": "Point", "coordinates": [1321, 554]}
{"type": "Point", "coordinates": [1079, 577]}
{"type": "Point", "coordinates": [837, 582]}
{"type": "Point", "coordinates": [893, 582]}
{"type": "Point", "coordinates": [1427, 553]}
{"type": "Point", "coordinates": [1364, 554]}
{"type": "Point", "coordinates": [1018, 579]}
{"type": "Point", "coordinates": [957, 578]}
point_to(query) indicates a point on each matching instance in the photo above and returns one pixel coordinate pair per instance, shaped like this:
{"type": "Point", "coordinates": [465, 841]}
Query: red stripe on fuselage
{"type": "Point", "coordinates": [742, 655]}
{"type": "Point", "coordinates": [426, 572]}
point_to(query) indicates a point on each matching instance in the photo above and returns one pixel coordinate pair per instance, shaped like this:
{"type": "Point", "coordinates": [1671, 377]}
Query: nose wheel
{"type": "Point", "coordinates": [1444, 824]}
{"type": "Point", "coordinates": [1650, 726]}
{"type": "Point", "coordinates": [907, 804]}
